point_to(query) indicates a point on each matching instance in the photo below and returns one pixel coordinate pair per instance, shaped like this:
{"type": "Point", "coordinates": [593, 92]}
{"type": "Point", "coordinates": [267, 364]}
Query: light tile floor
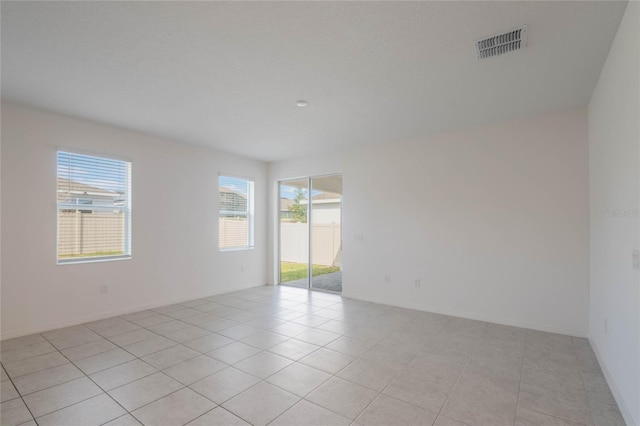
{"type": "Point", "coordinates": [287, 356]}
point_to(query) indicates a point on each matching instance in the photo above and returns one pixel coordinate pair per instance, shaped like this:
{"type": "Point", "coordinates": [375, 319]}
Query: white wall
{"type": "Point", "coordinates": [174, 225]}
{"type": "Point", "coordinates": [492, 220]}
{"type": "Point", "coordinates": [614, 163]}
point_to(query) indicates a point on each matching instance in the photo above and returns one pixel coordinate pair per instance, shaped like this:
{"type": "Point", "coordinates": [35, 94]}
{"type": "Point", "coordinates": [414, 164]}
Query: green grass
{"type": "Point", "coordinates": [290, 271]}
{"type": "Point", "coordinates": [94, 254]}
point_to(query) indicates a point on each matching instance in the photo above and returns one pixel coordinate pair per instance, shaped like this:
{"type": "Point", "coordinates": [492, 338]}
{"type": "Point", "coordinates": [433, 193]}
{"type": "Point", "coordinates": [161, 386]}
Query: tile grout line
{"type": "Point", "coordinates": [22, 398]}
{"type": "Point", "coordinates": [444, 404]}
{"type": "Point", "coordinates": [524, 352]}
{"type": "Point", "coordinates": [234, 314]}
{"type": "Point", "coordinates": [87, 376]}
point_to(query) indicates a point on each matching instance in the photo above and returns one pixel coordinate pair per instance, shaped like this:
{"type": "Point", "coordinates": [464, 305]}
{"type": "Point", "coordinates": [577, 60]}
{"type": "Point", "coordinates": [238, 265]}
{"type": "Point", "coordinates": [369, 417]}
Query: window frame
{"type": "Point", "coordinates": [75, 205]}
{"type": "Point", "coordinates": [250, 213]}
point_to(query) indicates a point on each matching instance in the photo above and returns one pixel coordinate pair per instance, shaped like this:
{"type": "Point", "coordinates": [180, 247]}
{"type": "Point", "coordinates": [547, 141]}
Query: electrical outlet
{"type": "Point", "coordinates": [243, 268]}
{"type": "Point", "coordinates": [387, 279]}
{"type": "Point", "coordinates": [358, 238]}
{"type": "Point", "coordinates": [635, 254]}
{"type": "Point", "coordinates": [606, 326]}
{"type": "Point", "coordinates": [418, 283]}
{"type": "Point", "coordinates": [104, 289]}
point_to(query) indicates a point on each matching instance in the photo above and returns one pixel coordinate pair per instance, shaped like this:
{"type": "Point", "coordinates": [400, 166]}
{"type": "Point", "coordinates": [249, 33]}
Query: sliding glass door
{"type": "Point", "coordinates": [311, 232]}
{"type": "Point", "coordinates": [294, 232]}
{"type": "Point", "coordinates": [326, 232]}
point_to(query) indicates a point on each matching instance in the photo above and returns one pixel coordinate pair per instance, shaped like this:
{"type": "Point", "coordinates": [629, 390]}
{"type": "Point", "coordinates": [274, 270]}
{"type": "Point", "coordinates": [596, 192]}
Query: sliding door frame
{"type": "Point", "coordinates": [309, 232]}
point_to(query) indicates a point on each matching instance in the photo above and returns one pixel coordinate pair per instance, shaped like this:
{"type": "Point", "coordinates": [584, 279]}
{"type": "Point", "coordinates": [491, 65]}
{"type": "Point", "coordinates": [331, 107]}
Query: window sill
{"type": "Point", "coordinates": [236, 249]}
{"type": "Point", "coordinates": [74, 261]}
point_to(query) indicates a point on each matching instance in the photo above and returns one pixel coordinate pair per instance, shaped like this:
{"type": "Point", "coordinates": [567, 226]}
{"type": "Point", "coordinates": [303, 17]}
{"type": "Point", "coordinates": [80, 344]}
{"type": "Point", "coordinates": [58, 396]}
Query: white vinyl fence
{"type": "Point", "coordinates": [326, 239]}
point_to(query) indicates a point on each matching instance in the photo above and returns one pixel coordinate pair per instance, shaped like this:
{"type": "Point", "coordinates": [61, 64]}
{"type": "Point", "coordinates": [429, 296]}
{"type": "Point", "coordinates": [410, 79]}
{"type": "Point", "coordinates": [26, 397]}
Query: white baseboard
{"type": "Point", "coordinates": [467, 315]}
{"type": "Point", "coordinates": [624, 408]}
{"type": "Point", "coordinates": [129, 310]}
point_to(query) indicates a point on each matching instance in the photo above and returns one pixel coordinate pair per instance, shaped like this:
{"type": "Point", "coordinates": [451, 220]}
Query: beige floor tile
{"type": "Point", "coordinates": [261, 403]}
{"type": "Point", "coordinates": [96, 363]}
{"type": "Point", "coordinates": [569, 406]}
{"type": "Point", "coordinates": [317, 337]}
{"type": "Point", "coordinates": [478, 399]}
{"type": "Point", "coordinates": [194, 369]}
{"type": "Point", "coordinates": [350, 346]}
{"type": "Point", "coordinates": [504, 366]}
{"type": "Point", "coordinates": [60, 396]}
{"type": "Point", "coordinates": [138, 315]}
{"type": "Point", "coordinates": [386, 411]}
{"type": "Point", "coordinates": [151, 320]}
{"type": "Point", "coordinates": [218, 417]}
{"type": "Point", "coordinates": [374, 374]}
{"type": "Point", "coordinates": [118, 329]}
{"type": "Point", "coordinates": [605, 412]}
{"type": "Point", "coordinates": [31, 365]}
{"type": "Point", "coordinates": [342, 397]}
{"type": "Point", "coordinates": [47, 378]}
{"type": "Point", "coordinates": [122, 374]}
{"type": "Point", "coordinates": [18, 342]}
{"type": "Point", "coordinates": [298, 379]}
{"type": "Point", "coordinates": [170, 356]}
{"type": "Point", "coordinates": [290, 329]}
{"type": "Point", "coordinates": [75, 339]}
{"type": "Point", "coordinates": [264, 339]}
{"type": "Point", "coordinates": [446, 421]}
{"type": "Point", "coordinates": [182, 313]}
{"type": "Point", "coordinates": [327, 360]}
{"type": "Point", "coordinates": [169, 326]}
{"type": "Point", "coordinates": [531, 418]}
{"type": "Point", "coordinates": [234, 352]}
{"type": "Point", "coordinates": [8, 391]}
{"type": "Point", "coordinates": [426, 389]}
{"type": "Point", "coordinates": [86, 350]}
{"type": "Point", "coordinates": [177, 408]}
{"type": "Point", "coordinates": [186, 334]}
{"type": "Point", "coordinates": [126, 420]}
{"type": "Point", "coordinates": [133, 337]}
{"type": "Point", "coordinates": [391, 353]}
{"type": "Point", "coordinates": [595, 384]}
{"type": "Point", "coordinates": [93, 411]}
{"type": "Point", "coordinates": [24, 352]}
{"type": "Point", "coordinates": [150, 346]}
{"type": "Point", "coordinates": [263, 364]}
{"type": "Point", "coordinates": [14, 412]}
{"type": "Point", "coordinates": [306, 413]}
{"type": "Point", "coordinates": [338, 353]}
{"type": "Point", "coordinates": [293, 349]}
{"type": "Point", "coordinates": [224, 384]}
{"type": "Point", "coordinates": [141, 392]}
{"type": "Point", "coordinates": [208, 343]}
{"type": "Point", "coordinates": [239, 331]}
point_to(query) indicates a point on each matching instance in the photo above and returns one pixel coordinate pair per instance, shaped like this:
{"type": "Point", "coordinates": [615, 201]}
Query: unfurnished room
{"type": "Point", "coordinates": [319, 213]}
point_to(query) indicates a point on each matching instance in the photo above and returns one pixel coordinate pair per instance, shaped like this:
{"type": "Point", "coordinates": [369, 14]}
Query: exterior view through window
{"type": "Point", "coordinates": [94, 208]}
{"type": "Point", "coordinates": [236, 213]}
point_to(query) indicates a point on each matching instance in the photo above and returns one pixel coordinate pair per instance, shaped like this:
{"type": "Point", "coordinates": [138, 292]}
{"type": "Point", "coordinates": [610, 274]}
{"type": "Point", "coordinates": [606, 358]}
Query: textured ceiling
{"type": "Point", "coordinates": [228, 75]}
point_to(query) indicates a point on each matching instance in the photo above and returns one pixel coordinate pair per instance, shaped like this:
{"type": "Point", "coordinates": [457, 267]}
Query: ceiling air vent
{"type": "Point", "coordinates": [502, 43]}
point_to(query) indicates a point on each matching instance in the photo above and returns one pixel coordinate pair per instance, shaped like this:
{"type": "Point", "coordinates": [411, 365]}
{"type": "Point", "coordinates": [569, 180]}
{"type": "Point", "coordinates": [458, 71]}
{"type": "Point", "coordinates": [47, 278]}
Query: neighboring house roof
{"type": "Point", "coordinates": [322, 198]}
{"type": "Point", "coordinates": [285, 204]}
{"type": "Point", "coordinates": [232, 201]}
{"type": "Point", "coordinates": [75, 187]}
{"type": "Point", "coordinates": [78, 193]}
{"type": "Point", "coordinates": [326, 196]}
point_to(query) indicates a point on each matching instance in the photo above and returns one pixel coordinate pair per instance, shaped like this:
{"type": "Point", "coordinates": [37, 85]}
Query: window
{"type": "Point", "coordinates": [236, 213]}
{"type": "Point", "coordinates": [94, 208]}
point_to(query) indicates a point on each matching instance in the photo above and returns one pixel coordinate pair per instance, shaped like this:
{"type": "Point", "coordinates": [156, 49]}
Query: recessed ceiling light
{"type": "Point", "coordinates": [302, 103]}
